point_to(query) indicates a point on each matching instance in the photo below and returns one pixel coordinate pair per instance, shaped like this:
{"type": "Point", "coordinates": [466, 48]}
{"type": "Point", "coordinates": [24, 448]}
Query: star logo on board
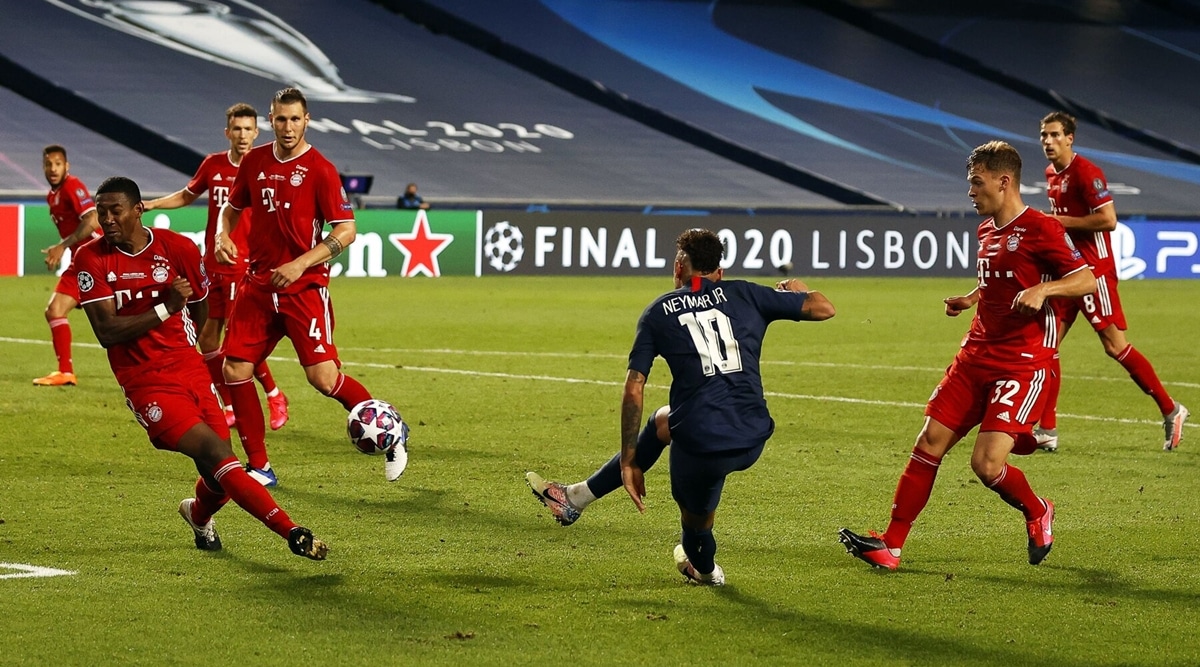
{"type": "Point", "coordinates": [421, 248]}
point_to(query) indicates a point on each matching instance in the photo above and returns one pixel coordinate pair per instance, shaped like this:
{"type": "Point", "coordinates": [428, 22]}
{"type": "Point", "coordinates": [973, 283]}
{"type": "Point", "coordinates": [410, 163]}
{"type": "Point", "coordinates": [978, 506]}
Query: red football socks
{"type": "Point", "coordinates": [60, 335]}
{"type": "Point", "coordinates": [252, 497]}
{"type": "Point", "coordinates": [263, 373]}
{"type": "Point", "coordinates": [348, 391]}
{"type": "Point", "coordinates": [1049, 418]}
{"type": "Point", "coordinates": [1143, 374]}
{"type": "Point", "coordinates": [208, 501]}
{"type": "Point", "coordinates": [1014, 489]}
{"type": "Point", "coordinates": [912, 493]}
{"type": "Point", "coordinates": [251, 427]}
{"type": "Point", "coordinates": [215, 360]}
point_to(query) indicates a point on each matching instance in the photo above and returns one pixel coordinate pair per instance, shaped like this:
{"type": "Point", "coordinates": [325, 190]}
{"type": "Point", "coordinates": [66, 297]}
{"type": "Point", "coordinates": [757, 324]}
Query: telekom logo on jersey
{"type": "Point", "coordinates": [219, 193]}
{"type": "Point", "coordinates": [125, 296]}
{"type": "Point", "coordinates": [268, 199]}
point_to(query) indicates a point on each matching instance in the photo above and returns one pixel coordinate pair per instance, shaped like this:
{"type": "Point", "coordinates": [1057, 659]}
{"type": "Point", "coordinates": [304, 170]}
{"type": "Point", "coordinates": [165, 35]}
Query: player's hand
{"type": "Point", "coordinates": [1029, 301]}
{"type": "Point", "coordinates": [181, 290]}
{"type": "Point", "coordinates": [791, 285]}
{"type": "Point", "coordinates": [225, 251]}
{"type": "Point", "coordinates": [287, 274]}
{"type": "Point", "coordinates": [955, 305]}
{"type": "Point", "coordinates": [54, 255]}
{"type": "Point", "coordinates": [635, 484]}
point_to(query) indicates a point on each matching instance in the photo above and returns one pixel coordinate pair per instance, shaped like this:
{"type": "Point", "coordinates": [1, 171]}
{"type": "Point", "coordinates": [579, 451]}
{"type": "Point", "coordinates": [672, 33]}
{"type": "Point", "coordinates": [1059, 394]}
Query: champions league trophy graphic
{"type": "Point", "coordinates": [234, 33]}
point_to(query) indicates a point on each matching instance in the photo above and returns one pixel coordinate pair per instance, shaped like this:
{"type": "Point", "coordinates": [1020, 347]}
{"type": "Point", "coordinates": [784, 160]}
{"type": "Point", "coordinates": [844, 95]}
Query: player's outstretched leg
{"type": "Point", "coordinates": [1173, 426]}
{"type": "Point", "coordinates": [554, 496]}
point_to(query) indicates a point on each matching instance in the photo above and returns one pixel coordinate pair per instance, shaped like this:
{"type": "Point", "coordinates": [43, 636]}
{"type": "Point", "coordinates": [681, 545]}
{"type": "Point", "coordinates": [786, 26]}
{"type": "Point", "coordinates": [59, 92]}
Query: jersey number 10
{"type": "Point", "coordinates": [712, 334]}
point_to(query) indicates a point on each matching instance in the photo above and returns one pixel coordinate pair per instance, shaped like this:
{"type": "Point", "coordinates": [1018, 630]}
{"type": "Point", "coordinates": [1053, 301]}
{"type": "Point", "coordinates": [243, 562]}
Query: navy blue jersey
{"type": "Point", "coordinates": [712, 338]}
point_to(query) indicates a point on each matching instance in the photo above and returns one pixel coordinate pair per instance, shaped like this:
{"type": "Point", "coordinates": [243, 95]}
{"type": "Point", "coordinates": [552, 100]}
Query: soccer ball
{"type": "Point", "coordinates": [503, 246]}
{"type": "Point", "coordinates": [374, 426]}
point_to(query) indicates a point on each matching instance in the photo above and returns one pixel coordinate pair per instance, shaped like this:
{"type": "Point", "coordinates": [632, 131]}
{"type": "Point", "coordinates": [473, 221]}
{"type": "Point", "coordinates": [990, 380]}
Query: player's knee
{"type": "Point", "coordinates": [323, 384]}
{"type": "Point", "coordinates": [237, 370]}
{"type": "Point", "coordinates": [985, 468]}
{"type": "Point", "coordinates": [662, 425]}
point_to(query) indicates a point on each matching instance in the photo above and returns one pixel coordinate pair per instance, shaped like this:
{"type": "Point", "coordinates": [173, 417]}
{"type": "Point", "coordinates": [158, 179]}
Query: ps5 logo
{"type": "Point", "coordinates": [233, 33]}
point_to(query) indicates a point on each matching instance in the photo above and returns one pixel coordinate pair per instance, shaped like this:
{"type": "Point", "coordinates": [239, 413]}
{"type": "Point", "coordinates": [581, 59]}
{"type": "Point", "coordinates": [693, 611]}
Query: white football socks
{"type": "Point", "coordinates": [580, 495]}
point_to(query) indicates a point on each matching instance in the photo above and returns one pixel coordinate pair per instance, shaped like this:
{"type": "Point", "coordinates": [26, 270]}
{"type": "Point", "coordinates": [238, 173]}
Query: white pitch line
{"type": "Point", "coordinates": [30, 571]}
{"type": "Point", "coordinates": [810, 364]}
{"type": "Point", "coordinates": [613, 383]}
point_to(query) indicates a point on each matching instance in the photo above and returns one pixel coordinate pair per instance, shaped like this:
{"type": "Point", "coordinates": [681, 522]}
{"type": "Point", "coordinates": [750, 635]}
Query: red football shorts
{"type": "Point", "coordinates": [222, 290]}
{"type": "Point", "coordinates": [260, 318]}
{"type": "Point", "coordinates": [1101, 308]}
{"type": "Point", "coordinates": [169, 401]}
{"type": "Point", "coordinates": [995, 400]}
{"type": "Point", "coordinates": [68, 282]}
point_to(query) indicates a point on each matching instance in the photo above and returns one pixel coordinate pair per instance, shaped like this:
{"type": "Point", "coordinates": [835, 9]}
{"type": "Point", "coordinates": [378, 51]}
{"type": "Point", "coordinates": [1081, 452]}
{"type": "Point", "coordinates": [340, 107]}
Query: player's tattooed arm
{"type": "Point", "coordinates": [334, 245]}
{"type": "Point", "coordinates": [631, 416]}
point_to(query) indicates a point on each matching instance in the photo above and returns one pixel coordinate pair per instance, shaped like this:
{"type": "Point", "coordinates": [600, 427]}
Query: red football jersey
{"type": "Point", "coordinates": [1078, 190]}
{"type": "Point", "coordinates": [69, 202]}
{"type": "Point", "coordinates": [138, 283]}
{"type": "Point", "coordinates": [1033, 247]}
{"type": "Point", "coordinates": [292, 201]}
{"type": "Point", "coordinates": [216, 174]}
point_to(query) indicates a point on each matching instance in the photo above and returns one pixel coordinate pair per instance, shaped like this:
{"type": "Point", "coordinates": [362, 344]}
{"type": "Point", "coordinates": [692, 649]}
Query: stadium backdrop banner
{"type": "Point", "coordinates": [435, 243]}
{"type": "Point", "coordinates": [389, 243]}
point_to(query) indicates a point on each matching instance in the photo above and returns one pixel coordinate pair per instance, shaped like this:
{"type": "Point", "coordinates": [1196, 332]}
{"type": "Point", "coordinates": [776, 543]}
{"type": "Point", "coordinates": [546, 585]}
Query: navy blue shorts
{"type": "Point", "coordinates": [697, 480]}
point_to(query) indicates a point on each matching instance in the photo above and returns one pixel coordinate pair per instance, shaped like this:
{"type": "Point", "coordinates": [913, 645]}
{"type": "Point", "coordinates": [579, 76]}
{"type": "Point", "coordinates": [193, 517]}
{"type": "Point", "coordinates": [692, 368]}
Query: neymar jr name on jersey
{"type": "Point", "coordinates": [694, 301]}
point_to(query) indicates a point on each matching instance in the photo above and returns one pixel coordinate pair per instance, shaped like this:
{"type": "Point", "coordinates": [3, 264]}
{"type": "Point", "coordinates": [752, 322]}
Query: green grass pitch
{"type": "Point", "coordinates": [458, 564]}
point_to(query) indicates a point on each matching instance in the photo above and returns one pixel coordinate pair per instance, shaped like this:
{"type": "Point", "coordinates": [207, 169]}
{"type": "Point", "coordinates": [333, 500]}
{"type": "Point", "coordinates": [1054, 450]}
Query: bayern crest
{"type": "Point", "coordinates": [154, 413]}
{"type": "Point", "coordinates": [159, 273]}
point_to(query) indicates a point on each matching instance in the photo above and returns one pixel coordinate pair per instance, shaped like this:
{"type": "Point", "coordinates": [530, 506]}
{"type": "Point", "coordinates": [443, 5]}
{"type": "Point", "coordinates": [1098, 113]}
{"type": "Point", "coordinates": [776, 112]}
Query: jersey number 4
{"type": "Point", "coordinates": [712, 334]}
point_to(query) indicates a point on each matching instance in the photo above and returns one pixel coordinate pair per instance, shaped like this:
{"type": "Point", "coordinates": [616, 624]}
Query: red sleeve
{"type": "Point", "coordinates": [78, 196]}
{"type": "Point", "coordinates": [187, 260]}
{"type": "Point", "coordinates": [1095, 187]}
{"type": "Point", "coordinates": [239, 196]}
{"type": "Point", "coordinates": [199, 182]}
{"type": "Point", "coordinates": [332, 203]}
{"type": "Point", "coordinates": [1057, 250]}
{"type": "Point", "coordinates": [92, 284]}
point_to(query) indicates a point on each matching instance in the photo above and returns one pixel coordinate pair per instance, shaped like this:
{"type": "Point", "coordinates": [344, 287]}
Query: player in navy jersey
{"type": "Point", "coordinates": [710, 332]}
{"type": "Point", "coordinates": [1081, 201]}
{"type": "Point", "coordinates": [144, 291]}
{"type": "Point", "coordinates": [996, 380]}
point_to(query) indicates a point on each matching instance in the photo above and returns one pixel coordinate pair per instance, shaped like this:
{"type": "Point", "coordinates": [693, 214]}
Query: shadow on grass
{"type": "Point", "coordinates": [841, 638]}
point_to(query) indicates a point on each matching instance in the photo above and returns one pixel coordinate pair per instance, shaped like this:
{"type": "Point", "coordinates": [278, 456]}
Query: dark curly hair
{"type": "Point", "coordinates": [702, 249]}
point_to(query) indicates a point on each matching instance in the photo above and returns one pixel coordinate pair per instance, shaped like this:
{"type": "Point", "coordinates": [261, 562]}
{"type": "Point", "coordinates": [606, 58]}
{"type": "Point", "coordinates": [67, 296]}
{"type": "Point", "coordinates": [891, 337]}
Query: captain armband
{"type": "Point", "coordinates": [334, 245]}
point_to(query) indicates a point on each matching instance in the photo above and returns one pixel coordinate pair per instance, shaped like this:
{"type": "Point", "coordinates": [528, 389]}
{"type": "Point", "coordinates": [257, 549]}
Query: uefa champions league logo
{"type": "Point", "coordinates": [233, 33]}
{"type": "Point", "coordinates": [503, 245]}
